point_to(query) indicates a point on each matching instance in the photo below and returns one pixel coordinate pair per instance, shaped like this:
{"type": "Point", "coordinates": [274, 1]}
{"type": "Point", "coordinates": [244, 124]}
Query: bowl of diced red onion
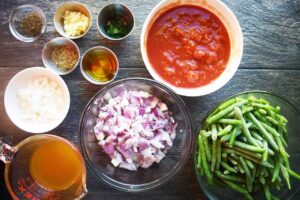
{"type": "Point", "coordinates": [136, 134]}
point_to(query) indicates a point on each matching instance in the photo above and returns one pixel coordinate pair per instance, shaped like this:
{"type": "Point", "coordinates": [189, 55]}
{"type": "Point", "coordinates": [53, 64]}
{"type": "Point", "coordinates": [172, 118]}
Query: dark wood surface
{"type": "Point", "coordinates": [271, 62]}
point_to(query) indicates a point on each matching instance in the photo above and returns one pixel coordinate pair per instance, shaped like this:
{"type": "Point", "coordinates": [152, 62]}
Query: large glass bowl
{"type": "Point", "coordinates": [142, 179]}
{"type": "Point", "coordinates": [292, 114]}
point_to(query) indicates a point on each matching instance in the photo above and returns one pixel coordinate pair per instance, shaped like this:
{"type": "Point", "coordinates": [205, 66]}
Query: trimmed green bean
{"type": "Point", "coordinates": [256, 135]}
{"type": "Point", "coordinates": [293, 173]}
{"type": "Point", "coordinates": [272, 120]}
{"type": "Point", "coordinates": [225, 131]}
{"type": "Point", "coordinates": [205, 164]}
{"type": "Point", "coordinates": [214, 132]}
{"type": "Point", "coordinates": [249, 164]}
{"type": "Point", "coordinates": [265, 153]}
{"type": "Point", "coordinates": [246, 109]}
{"type": "Point", "coordinates": [224, 112]}
{"type": "Point", "coordinates": [245, 129]}
{"type": "Point", "coordinates": [248, 174]}
{"type": "Point", "coordinates": [262, 111]}
{"type": "Point", "coordinates": [230, 121]}
{"type": "Point", "coordinates": [270, 129]}
{"type": "Point", "coordinates": [219, 154]}
{"type": "Point", "coordinates": [206, 147]}
{"type": "Point", "coordinates": [269, 137]}
{"type": "Point", "coordinates": [236, 131]}
{"type": "Point", "coordinates": [248, 147]}
{"type": "Point", "coordinates": [276, 169]}
{"type": "Point", "coordinates": [227, 167]}
{"type": "Point", "coordinates": [286, 176]}
{"type": "Point", "coordinates": [267, 191]}
{"type": "Point", "coordinates": [214, 155]}
{"type": "Point", "coordinates": [233, 185]}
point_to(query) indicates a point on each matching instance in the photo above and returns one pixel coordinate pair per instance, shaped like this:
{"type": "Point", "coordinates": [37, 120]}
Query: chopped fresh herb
{"type": "Point", "coordinates": [117, 27]}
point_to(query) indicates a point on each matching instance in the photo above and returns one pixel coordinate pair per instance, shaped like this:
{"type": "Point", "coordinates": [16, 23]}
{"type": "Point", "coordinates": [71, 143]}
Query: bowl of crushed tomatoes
{"type": "Point", "coordinates": [193, 47]}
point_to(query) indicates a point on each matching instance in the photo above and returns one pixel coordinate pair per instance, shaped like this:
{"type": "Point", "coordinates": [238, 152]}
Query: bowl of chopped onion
{"type": "Point", "coordinates": [136, 134]}
{"type": "Point", "coordinates": [36, 100]}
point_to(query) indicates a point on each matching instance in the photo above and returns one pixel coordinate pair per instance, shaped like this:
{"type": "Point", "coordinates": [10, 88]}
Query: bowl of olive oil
{"type": "Point", "coordinates": [99, 65]}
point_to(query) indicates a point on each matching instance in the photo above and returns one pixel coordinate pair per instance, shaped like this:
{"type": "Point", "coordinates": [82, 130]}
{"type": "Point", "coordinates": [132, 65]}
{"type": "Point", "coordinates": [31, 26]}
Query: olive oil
{"type": "Point", "coordinates": [55, 165]}
{"type": "Point", "coordinates": [100, 65]}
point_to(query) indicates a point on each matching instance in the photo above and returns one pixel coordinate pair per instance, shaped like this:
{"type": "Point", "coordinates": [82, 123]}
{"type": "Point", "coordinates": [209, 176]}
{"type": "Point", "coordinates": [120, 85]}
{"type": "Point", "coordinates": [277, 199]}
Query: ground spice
{"type": "Point", "coordinates": [64, 57]}
{"type": "Point", "coordinates": [32, 24]}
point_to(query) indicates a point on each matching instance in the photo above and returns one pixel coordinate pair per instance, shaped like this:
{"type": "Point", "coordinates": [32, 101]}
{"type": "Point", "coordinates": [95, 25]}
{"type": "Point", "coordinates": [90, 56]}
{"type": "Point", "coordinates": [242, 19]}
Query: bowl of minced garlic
{"type": "Point", "coordinates": [72, 19]}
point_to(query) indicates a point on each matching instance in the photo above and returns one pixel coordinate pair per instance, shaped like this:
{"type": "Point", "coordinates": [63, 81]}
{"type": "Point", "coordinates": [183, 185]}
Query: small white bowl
{"type": "Point", "coordinates": [71, 6]}
{"type": "Point", "coordinates": [236, 42]}
{"type": "Point", "coordinates": [13, 109]}
{"type": "Point", "coordinates": [47, 54]}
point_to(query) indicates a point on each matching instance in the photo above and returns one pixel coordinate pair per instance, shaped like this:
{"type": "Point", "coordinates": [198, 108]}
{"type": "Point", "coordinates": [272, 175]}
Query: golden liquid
{"type": "Point", "coordinates": [100, 66]}
{"type": "Point", "coordinates": [55, 165]}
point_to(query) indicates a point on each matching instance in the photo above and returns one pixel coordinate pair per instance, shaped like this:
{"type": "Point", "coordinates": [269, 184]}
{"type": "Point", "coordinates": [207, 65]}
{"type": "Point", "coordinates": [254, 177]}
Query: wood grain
{"type": "Point", "coordinates": [271, 33]}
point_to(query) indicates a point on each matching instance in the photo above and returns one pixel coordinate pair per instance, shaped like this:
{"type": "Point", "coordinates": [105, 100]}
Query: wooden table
{"type": "Point", "coordinates": [271, 62]}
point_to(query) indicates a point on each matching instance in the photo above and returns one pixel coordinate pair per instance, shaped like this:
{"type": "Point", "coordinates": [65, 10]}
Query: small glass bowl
{"type": "Point", "coordinates": [142, 179]}
{"type": "Point", "coordinates": [15, 20]}
{"type": "Point", "coordinates": [214, 192]}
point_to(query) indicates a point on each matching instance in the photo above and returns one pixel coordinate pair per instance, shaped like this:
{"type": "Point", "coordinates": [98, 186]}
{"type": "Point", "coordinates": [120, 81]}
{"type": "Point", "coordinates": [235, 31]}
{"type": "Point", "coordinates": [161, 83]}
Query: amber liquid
{"type": "Point", "coordinates": [100, 66]}
{"type": "Point", "coordinates": [55, 165]}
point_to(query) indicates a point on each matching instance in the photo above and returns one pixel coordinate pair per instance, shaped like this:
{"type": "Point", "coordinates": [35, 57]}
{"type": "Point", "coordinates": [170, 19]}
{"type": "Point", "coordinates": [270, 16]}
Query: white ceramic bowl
{"type": "Point", "coordinates": [71, 6]}
{"type": "Point", "coordinates": [236, 42]}
{"type": "Point", "coordinates": [47, 54]}
{"type": "Point", "coordinates": [13, 109]}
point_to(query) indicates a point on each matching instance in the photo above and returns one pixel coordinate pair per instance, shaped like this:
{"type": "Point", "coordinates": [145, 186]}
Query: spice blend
{"type": "Point", "coordinates": [32, 24]}
{"type": "Point", "coordinates": [64, 57]}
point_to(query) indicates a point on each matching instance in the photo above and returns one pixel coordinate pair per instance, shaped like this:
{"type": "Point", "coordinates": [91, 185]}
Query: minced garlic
{"type": "Point", "coordinates": [75, 23]}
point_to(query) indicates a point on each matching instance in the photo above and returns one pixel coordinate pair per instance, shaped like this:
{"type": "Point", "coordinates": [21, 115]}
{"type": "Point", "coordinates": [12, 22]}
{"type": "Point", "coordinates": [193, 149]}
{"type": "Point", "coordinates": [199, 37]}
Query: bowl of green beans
{"type": "Point", "coordinates": [248, 148]}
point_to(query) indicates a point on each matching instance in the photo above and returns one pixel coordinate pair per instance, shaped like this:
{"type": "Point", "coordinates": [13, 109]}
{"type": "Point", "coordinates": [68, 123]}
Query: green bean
{"type": "Point", "coordinates": [240, 167]}
{"type": "Point", "coordinates": [236, 131]}
{"type": "Point", "coordinates": [276, 169]}
{"type": "Point", "coordinates": [248, 196]}
{"type": "Point", "coordinates": [205, 164]}
{"type": "Point", "coordinates": [244, 127]}
{"type": "Point", "coordinates": [214, 155]}
{"type": "Point", "coordinates": [262, 111]}
{"type": "Point", "coordinates": [282, 151]}
{"type": "Point", "coordinates": [270, 129]}
{"type": "Point", "coordinates": [226, 138]}
{"type": "Point", "coordinates": [206, 147]}
{"type": "Point", "coordinates": [249, 164]}
{"type": "Point", "coordinates": [233, 161]}
{"type": "Point", "coordinates": [242, 154]}
{"type": "Point", "coordinates": [247, 152]}
{"type": "Point", "coordinates": [286, 176]}
{"type": "Point", "coordinates": [230, 121]}
{"type": "Point", "coordinates": [248, 174]}
{"type": "Point", "coordinates": [231, 177]}
{"type": "Point", "coordinates": [224, 112]}
{"type": "Point", "coordinates": [246, 109]}
{"type": "Point", "coordinates": [269, 138]}
{"type": "Point", "coordinates": [272, 120]}
{"type": "Point", "coordinates": [267, 191]}
{"type": "Point", "coordinates": [214, 132]}
{"type": "Point", "coordinates": [230, 115]}
{"type": "Point", "coordinates": [220, 128]}
{"type": "Point", "coordinates": [256, 135]}
{"type": "Point", "coordinates": [263, 101]}
{"type": "Point", "coordinates": [248, 147]}
{"type": "Point", "coordinates": [226, 104]}
{"type": "Point", "coordinates": [226, 172]}
{"type": "Point", "coordinates": [224, 155]}
{"type": "Point", "coordinates": [280, 117]}
{"type": "Point", "coordinates": [283, 141]}
{"type": "Point", "coordinates": [227, 167]}
{"type": "Point", "coordinates": [219, 152]}
{"type": "Point", "coordinates": [293, 173]}
{"type": "Point", "coordinates": [225, 131]}
{"type": "Point", "coordinates": [260, 117]}
{"type": "Point", "coordinates": [274, 198]}
{"type": "Point", "coordinates": [234, 186]}
{"type": "Point", "coordinates": [199, 155]}
{"type": "Point", "coordinates": [265, 154]}
{"type": "Point", "coordinates": [262, 180]}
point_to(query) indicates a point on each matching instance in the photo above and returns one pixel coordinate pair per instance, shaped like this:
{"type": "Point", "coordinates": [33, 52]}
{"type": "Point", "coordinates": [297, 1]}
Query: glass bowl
{"type": "Point", "coordinates": [214, 192]}
{"type": "Point", "coordinates": [15, 21]}
{"type": "Point", "coordinates": [142, 179]}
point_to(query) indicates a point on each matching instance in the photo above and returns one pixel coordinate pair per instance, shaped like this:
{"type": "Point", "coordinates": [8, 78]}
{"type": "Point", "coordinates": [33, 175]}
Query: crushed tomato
{"type": "Point", "coordinates": [188, 46]}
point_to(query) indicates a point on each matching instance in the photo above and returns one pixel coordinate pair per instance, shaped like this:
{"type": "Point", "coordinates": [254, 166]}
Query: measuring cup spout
{"type": "Point", "coordinates": [6, 152]}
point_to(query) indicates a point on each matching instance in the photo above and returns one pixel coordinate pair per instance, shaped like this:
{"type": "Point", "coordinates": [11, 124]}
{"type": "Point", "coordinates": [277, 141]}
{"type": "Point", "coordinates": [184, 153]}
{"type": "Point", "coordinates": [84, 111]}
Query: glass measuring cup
{"type": "Point", "coordinates": [20, 174]}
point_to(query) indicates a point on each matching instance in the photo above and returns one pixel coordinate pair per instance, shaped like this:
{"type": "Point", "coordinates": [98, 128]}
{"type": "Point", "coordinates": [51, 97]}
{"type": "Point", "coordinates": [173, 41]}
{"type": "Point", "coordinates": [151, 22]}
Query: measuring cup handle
{"type": "Point", "coordinates": [6, 152]}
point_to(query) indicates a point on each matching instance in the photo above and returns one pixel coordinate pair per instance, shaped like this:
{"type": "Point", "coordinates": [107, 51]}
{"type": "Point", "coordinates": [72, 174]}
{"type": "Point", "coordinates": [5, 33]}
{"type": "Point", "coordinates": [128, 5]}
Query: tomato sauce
{"type": "Point", "coordinates": [188, 46]}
